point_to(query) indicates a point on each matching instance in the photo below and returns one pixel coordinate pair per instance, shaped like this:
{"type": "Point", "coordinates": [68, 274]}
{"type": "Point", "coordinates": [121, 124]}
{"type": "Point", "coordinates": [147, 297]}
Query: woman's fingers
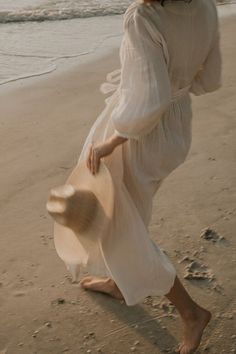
{"type": "Point", "coordinates": [95, 161]}
{"type": "Point", "coordinates": [94, 157]}
{"type": "Point", "coordinates": [92, 162]}
{"type": "Point", "coordinates": [89, 158]}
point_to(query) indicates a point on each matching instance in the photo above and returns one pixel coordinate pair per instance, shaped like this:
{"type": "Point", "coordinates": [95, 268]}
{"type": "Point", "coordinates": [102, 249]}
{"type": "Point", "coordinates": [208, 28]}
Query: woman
{"type": "Point", "coordinates": [169, 49]}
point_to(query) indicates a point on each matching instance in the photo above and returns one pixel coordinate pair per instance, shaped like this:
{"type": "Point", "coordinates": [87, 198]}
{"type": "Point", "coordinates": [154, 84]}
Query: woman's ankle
{"type": "Point", "coordinates": [191, 313]}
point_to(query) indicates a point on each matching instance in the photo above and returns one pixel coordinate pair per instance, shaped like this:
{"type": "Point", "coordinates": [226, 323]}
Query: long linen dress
{"type": "Point", "coordinates": [166, 53]}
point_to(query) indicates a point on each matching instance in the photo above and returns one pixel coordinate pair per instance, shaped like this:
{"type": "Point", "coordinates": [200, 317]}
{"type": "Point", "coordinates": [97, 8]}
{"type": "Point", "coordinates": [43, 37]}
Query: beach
{"type": "Point", "coordinates": [44, 122]}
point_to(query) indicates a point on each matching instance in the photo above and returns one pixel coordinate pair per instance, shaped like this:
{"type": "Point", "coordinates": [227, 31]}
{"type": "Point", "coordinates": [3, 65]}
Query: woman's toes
{"type": "Point", "coordinates": [186, 350]}
{"type": "Point", "coordinates": [178, 349]}
{"type": "Point", "coordinates": [83, 282]}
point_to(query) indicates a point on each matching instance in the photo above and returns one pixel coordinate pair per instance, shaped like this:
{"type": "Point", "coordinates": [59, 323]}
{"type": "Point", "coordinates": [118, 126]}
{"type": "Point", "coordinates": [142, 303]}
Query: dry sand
{"type": "Point", "coordinates": [43, 126]}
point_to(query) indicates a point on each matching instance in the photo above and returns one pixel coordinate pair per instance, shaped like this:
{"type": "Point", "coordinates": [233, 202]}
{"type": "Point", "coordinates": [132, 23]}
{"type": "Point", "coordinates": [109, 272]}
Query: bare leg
{"type": "Point", "coordinates": [104, 285]}
{"type": "Point", "coordinates": [195, 318]}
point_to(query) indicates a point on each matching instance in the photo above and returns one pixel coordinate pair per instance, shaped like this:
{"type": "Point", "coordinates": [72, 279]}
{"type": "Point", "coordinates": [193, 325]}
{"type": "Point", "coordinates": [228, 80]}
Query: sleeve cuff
{"type": "Point", "coordinates": [127, 136]}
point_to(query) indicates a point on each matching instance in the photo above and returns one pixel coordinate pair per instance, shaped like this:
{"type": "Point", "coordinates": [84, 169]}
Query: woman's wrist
{"type": "Point", "coordinates": [116, 140]}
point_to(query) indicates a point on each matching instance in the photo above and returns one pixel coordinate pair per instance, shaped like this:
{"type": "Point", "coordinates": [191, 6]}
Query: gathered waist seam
{"type": "Point", "coordinates": [180, 93]}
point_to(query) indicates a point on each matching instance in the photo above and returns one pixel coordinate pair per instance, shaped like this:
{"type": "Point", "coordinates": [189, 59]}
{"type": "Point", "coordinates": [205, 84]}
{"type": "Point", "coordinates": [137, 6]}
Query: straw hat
{"type": "Point", "coordinates": [82, 209]}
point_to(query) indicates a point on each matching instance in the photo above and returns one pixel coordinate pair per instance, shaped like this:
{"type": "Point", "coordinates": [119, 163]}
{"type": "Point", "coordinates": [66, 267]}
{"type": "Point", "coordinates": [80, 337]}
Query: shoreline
{"type": "Point", "coordinates": [44, 123]}
{"type": "Point", "coordinates": [61, 64]}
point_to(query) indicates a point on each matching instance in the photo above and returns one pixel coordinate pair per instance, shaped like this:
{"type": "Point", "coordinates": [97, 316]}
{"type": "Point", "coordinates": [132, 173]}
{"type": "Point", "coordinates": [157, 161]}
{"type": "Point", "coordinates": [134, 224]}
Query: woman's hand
{"type": "Point", "coordinates": [99, 151]}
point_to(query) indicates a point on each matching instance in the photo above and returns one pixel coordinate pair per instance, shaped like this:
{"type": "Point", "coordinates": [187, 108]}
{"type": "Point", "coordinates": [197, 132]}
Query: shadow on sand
{"type": "Point", "coordinates": [139, 320]}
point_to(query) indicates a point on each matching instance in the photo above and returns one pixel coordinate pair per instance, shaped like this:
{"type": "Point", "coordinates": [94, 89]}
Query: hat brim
{"type": "Point", "coordinates": [71, 246]}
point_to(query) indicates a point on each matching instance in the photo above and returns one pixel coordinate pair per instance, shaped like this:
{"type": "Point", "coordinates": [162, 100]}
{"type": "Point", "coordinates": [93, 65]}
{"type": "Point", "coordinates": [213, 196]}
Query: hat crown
{"type": "Point", "coordinates": [73, 208]}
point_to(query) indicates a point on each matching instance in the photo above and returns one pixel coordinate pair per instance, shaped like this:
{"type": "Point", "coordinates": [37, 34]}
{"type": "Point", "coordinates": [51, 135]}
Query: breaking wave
{"type": "Point", "coordinates": [44, 14]}
{"type": "Point", "coordinates": [64, 10]}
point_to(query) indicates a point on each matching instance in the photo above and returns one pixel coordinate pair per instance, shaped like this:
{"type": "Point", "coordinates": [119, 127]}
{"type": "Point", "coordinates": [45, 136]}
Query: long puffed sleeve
{"type": "Point", "coordinates": [209, 77]}
{"type": "Point", "coordinates": [144, 90]}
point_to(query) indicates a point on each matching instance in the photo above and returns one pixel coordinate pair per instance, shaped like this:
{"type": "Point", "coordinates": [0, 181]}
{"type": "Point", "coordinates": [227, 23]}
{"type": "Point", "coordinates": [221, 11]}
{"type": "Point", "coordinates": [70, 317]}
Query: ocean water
{"type": "Point", "coordinates": [37, 36]}
{"type": "Point", "coordinates": [39, 10]}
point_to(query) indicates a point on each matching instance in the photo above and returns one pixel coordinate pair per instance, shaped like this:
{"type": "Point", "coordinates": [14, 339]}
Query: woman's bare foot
{"type": "Point", "coordinates": [194, 326]}
{"type": "Point", "coordinates": [104, 285]}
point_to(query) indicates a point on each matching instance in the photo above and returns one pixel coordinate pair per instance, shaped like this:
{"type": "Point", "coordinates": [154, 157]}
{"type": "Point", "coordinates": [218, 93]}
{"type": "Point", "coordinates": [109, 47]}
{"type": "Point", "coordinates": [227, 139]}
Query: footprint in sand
{"type": "Point", "coordinates": [195, 270]}
{"type": "Point", "coordinates": [211, 235]}
{"type": "Point", "coordinates": [198, 271]}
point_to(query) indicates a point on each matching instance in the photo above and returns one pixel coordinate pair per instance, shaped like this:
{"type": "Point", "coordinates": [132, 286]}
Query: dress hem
{"type": "Point", "coordinates": [151, 293]}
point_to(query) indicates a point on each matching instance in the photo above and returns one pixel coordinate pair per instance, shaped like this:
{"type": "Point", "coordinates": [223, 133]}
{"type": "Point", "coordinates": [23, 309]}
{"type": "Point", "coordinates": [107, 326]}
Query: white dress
{"type": "Point", "coordinates": [166, 53]}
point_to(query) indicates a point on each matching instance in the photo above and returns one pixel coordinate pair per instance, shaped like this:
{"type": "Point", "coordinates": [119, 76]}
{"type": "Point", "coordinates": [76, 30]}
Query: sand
{"type": "Point", "coordinates": [44, 123]}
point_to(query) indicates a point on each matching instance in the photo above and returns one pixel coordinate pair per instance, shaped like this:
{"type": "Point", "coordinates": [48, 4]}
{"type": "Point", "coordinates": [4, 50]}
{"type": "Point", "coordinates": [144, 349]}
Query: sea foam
{"type": "Point", "coordinates": [62, 10]}
{"type": "Point", "coordinates": [55, 10]}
